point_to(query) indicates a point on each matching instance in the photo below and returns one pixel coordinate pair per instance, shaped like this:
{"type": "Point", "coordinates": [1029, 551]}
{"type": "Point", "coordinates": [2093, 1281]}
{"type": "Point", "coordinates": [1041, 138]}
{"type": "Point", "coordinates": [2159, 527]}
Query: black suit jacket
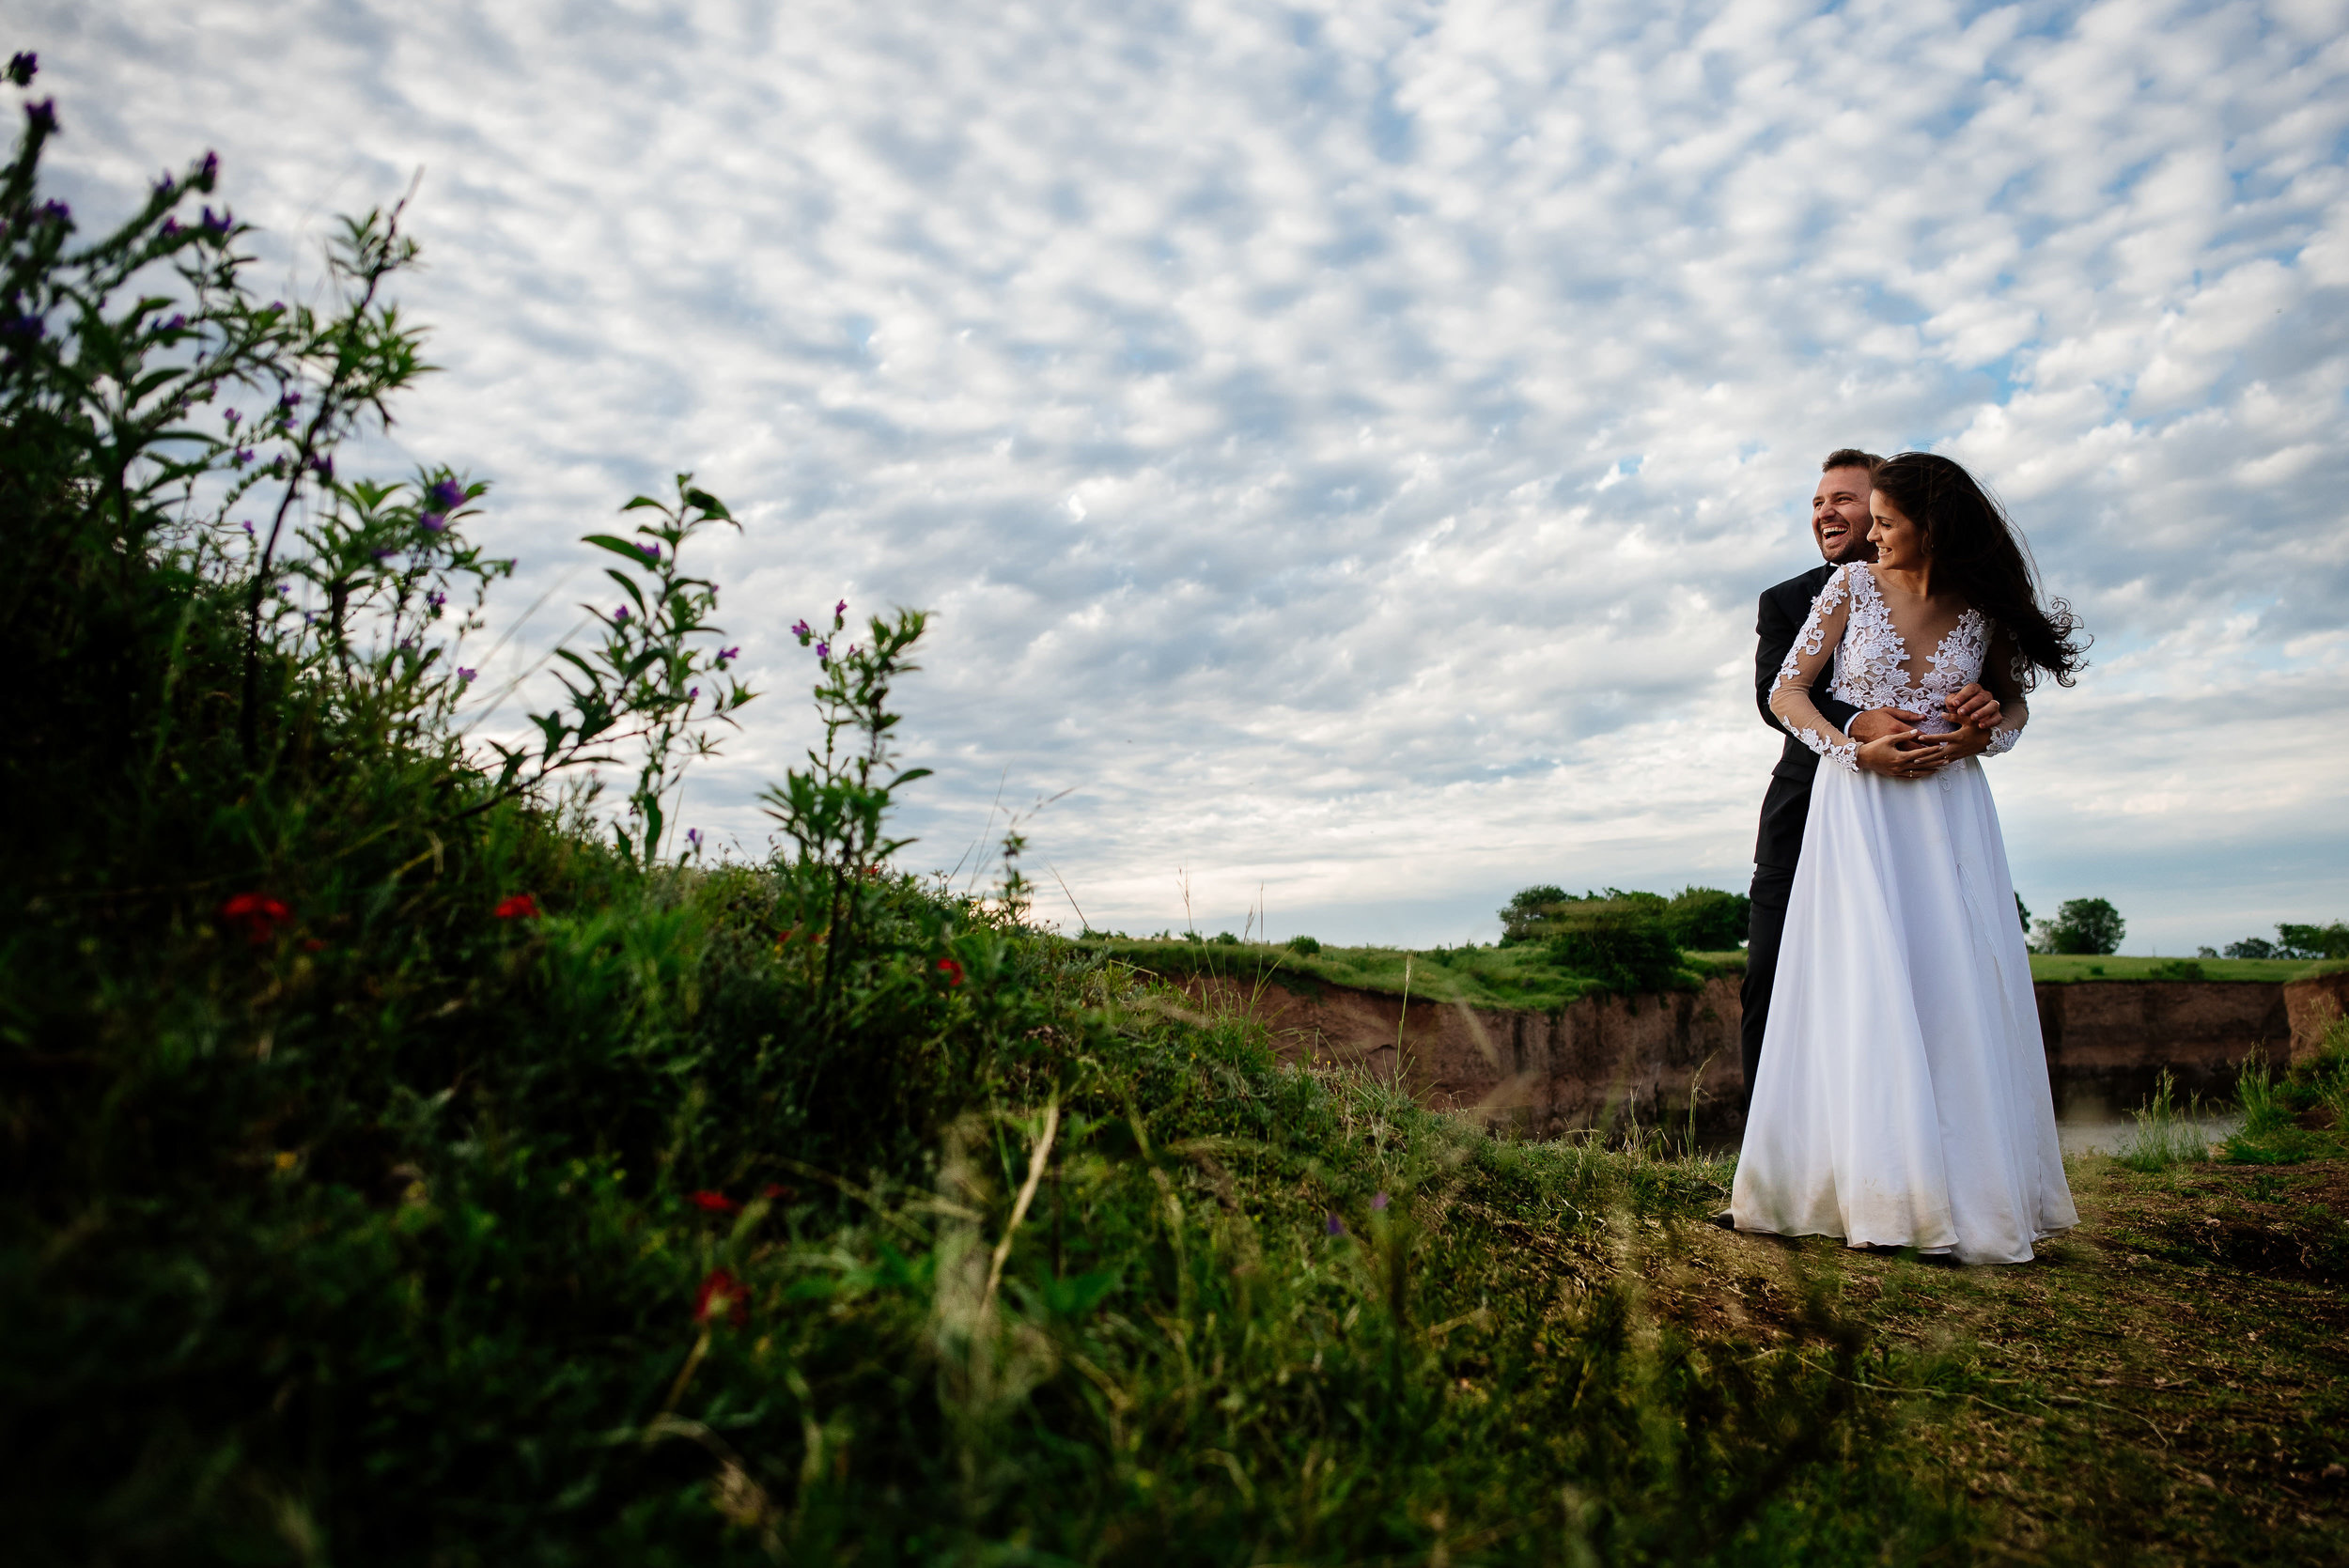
{"type": "Point", "coordinates": [1784, 608]}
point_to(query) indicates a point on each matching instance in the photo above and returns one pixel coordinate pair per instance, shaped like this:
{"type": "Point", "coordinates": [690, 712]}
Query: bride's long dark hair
{"type": "Point", "coordinates": [1976, 554]}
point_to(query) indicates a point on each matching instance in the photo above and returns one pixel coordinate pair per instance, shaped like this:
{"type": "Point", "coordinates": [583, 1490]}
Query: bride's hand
{"type": "Point", "coordinates": [1898, 755]}
{"type": "Point", "coordinates": [1967, 740]}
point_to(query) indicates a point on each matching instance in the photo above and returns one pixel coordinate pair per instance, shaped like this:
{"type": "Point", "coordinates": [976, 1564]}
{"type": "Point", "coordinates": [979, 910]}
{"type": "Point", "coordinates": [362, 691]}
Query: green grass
{"type": "Point", "coordinates": [1517, 977]}
{"type": "Point", "coordinates": [2067, 967]}
{"type": "Point", "coordinates": [1522, 976]}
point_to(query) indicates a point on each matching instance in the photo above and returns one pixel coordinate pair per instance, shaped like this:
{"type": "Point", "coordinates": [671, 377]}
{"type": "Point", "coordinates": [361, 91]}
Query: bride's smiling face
{"type": "Point", "coordinates": [1900, 543]}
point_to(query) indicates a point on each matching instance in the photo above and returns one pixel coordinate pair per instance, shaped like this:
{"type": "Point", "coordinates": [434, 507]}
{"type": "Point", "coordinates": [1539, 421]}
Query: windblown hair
{"type": "Point", "coordinates": [1851, 456]}
{"type": "Point", "coordinates": [1976, 554]}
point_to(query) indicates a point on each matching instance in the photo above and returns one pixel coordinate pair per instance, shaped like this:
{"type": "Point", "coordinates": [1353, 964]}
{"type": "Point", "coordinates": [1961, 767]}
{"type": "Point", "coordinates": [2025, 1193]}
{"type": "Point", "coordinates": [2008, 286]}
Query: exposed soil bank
{"type": "Point", "coordinates": [1623, 1058]}
{"type": "Point", "coordinates": [1592, 1060]}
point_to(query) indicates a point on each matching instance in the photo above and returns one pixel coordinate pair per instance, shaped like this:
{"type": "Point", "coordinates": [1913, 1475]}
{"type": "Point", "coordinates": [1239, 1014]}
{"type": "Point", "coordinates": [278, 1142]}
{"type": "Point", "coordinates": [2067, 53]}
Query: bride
{"type": "Point", "coordinates": [1902, 1098]}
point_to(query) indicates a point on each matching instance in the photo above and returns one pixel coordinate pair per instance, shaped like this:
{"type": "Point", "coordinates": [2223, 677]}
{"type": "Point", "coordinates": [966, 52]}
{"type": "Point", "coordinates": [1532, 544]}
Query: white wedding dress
{"type": "Point", "coordinates": [1902, 1098]}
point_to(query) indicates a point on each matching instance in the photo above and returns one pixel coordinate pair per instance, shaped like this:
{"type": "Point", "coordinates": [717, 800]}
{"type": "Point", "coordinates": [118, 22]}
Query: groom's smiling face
{"type": "Point", "coordinates": [1839, 515]}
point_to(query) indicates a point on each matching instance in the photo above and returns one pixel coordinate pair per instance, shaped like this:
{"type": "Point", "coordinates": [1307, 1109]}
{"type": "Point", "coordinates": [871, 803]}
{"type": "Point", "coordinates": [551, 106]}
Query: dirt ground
{"type": "Point", "coordinates": [2167, 1383]}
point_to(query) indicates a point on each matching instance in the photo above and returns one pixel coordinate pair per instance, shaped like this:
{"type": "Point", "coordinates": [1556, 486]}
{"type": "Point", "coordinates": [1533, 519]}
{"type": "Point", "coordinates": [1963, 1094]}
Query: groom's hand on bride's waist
{"type": "Point", "coordinates": [1903, 753]}
{"type": "Point", "coordinates": [1877, 724]}
{"type": "Point", "coordinates": [1889, 743]}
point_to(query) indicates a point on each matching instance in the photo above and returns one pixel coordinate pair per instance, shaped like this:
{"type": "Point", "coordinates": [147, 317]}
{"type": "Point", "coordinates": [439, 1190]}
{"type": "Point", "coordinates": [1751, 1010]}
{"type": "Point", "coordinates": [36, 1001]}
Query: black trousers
{"type": "Point", "coordinates": [1772, 886]}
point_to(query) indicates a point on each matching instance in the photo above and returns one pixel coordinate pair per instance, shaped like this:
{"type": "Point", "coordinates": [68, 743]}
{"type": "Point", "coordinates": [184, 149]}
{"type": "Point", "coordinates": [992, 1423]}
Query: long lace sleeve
{"type": "Point", "coordinates": [1814, 645]}
{"type": "Point", "coordinates": [2003, 671]}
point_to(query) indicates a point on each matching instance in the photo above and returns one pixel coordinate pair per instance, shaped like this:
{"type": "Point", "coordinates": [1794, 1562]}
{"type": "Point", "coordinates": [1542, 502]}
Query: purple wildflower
{"type": "Point", "coordinates": [231, 416]}
{"type": "Point", "coordinates": [56, 211]}
{"type": "Point", "coordinates": [694, 837]}
{"type": "Point", "coordinates": [447, 495]}
{"type": "Point", "coordinates": [691, 693]}
{"type": "Point", "coordinates": [43, 115]}
{"type": "Point", "coordinates": [284, 590]}
{"type": "Point", "coordinates": [652, 552]}
{"type": "Point", "coordinates": [243, 455]}
{"type": "Point", "coordinates": [217, 222]}
{"type": "Point", "coordinates": [619, 617]}
{"type": "Point", "coordinates": [380, 554]}
{"type": "Point", "coordinates": [1336, 1226]}
{"type": "Point", "coordinates": [175, 323]}
{"type": "Point", "coordinates": [823, 650]}
{"type": "Point", "coordinates": [323, 467]}
{"type": "Point", "coordinates": [464, 676]}
{"type": "Point", "coordinates": [433, 523]}
{"type": "Point", "coordinates": [22, 66]}
{"type": "Point", "coordinates": [276, 305]}
{"type": "Point", "coordinates": [800, 630]}
{"type": "Point", "coordinates": [208, 171]}
{"type": "Point", "coordinates": [165, 186]}
{"type": "Point", "coordinates": [246, 525]}
{"type": "Point", "coordinates": [1378, 1200]}
{"type": "Point", "coordinates": [435, 598]}
{"type": "Point", "coordinates": [171, 228]}
{"type": "Point", "coordinates": [839, 610]}
{"type": "Point", "coordinates": [292, 399]}
{"type": "Point", "coordinates": [725, 654]}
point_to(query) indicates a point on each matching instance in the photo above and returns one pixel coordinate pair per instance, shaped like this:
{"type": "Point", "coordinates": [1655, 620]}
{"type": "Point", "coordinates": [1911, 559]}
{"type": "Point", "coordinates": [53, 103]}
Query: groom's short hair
{"type": "Point", "coordinates": [1851, 456]}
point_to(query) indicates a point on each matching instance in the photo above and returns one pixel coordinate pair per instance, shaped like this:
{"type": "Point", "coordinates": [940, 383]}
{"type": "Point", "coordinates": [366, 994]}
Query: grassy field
{"type": "Point", "coordinates": [1517, 976]}
{"type": "Point", "coordinates": [2064, 967]}
{"type": "Point", "coordinates": [1522, 977]}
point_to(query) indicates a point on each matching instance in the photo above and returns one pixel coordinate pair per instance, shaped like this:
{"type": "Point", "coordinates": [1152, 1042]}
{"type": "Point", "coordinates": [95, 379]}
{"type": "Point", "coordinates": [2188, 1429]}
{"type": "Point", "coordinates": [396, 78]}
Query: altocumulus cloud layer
{"type": "Point", "coordinates": [1341, 442]}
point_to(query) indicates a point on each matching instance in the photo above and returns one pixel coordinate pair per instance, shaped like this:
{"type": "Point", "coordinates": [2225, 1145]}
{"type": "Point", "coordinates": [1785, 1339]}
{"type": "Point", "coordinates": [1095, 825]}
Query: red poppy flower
{"type": "Point", "coordinates": [723, 1296]}
{"type": "Point", "coordinates": [716, 1202]}
{"type": "Point", "coordinates": [260, 914]}
{"type": "Point", "coordinates": [519, 906]}
{"type": "Point", "coordinates": [952, 971]}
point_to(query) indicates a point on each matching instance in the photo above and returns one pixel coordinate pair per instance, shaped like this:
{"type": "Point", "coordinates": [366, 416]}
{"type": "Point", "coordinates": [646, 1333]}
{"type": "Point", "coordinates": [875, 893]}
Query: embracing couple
{"type": "Point", "coordinates": [1897, 1086]}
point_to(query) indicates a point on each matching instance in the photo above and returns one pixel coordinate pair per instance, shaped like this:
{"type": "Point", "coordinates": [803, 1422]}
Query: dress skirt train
{"type": "Point", "coordinates": [1902, 1098]}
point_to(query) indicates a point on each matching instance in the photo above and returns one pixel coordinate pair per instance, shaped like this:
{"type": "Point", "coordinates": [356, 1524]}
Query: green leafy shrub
{"type": "Point", "coordinates": [1623, 942]}
{"type": "Point", "coordinates": [1304, 944]}
{"type": "Point", "coordinates": [2177, 968]}
{"type": "Point", "coordinates": [1707, 920]}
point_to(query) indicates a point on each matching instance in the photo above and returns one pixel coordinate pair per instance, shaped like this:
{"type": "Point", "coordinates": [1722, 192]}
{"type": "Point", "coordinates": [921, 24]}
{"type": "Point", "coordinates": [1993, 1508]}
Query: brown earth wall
{"type": "Point", "coordinates": [1613, 1059]}
{"type": "Point", "coordinates": [2313, 1005]}
{"type": "Point", "coordinates": [2108, 1041]}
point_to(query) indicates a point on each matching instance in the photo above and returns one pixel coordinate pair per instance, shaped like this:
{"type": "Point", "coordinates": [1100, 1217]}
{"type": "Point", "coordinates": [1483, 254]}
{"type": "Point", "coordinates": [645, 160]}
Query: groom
{"type": "Point", "coordinates": [1839, 524]}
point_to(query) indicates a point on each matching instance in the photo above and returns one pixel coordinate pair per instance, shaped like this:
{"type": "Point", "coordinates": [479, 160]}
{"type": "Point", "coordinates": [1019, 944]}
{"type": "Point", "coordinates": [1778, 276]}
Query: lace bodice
{"type": "Point", "coordinates": [1851, 621]}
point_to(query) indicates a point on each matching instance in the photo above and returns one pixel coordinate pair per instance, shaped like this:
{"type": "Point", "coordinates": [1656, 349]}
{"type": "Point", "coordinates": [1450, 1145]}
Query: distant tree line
{"type": "Point", "coordinates": [2291, 941]}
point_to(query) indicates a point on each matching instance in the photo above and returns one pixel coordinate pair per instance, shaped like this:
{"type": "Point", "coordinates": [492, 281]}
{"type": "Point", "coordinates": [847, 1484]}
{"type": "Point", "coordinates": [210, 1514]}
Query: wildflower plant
{"type": "Point", "coordinates": [653, 678]}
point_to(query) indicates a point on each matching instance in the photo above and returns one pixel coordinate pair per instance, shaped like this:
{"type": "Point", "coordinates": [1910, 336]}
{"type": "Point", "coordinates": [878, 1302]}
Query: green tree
{"type": "Point", "coordinates": [2090, 925]}
{"type": "Point", "coordinates": [1525, 912]}
{"type": "Point", "coordinates": [1708, 919]}
{"type": "Point", "coordinates": [2312, 941]}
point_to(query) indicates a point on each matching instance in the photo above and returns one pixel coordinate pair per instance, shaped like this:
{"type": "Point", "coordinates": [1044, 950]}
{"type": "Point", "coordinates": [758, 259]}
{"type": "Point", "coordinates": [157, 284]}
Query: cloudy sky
{"type": "Point", "coordinates": [1342, 442]}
